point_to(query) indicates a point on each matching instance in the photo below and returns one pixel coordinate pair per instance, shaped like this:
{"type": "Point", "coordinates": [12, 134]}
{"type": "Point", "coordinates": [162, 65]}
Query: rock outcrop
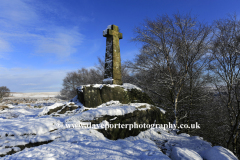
{"type": "Point", "coordinates": [94, 95]}
{"type": "Point", "coordinates": [139, 119]}
{"type": "Point", "coordinates": [118, 104]}
{"type": "Point", "coordinates": [126, 108]}
{"type": "Point", "coordinates": [59, 108]}
{"type": "Point", "coordinates": [123, 120]}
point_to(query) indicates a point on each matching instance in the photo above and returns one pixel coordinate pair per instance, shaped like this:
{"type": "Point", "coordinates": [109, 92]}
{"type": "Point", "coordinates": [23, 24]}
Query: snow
{"type": "Point", "coordinates": [168, 140]}
{"type": "Point", "coordinates": [90, 149]}
{"type": "Point", "coordinates": [47, 108]}
{"type": "Point", "coordinates": [218, 152]}
{"type": "Point", "coordinates": [76, 101]}
{"type": "Point", "coordinates": [184, 153]}
{"type": "Point", "coordinates": [162, 110]}
{"type": "Point", "coordinates": [33, 95]}
{"type": "Point", "coordinates": [18, 111]}
{"type": "Point", "coordinates": [111, 108]}
{"type": "Point", "coordinates": [130, 86]}
{"type": "Point", "coordinates": [109, 62]}
{"type": "Point", "coordinates": [126, 86]}
{"type": "Point", "coordinates": [22, 125]}
{"type": "Point", "coordinates": [102, 111]}
{"type": "Point", "coordinates": [105, 31]}
{"type": "Point", "coordinates": [108, 80]}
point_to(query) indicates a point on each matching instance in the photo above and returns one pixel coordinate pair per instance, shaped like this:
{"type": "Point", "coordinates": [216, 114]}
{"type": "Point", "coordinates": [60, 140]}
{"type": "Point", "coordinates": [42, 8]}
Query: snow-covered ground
{"type": "Point", "coordinates": [33, 95]}
{"type": "Point", "coordinates": [33, 99]}
{"type": "Point", "coordinates": [48, 137]}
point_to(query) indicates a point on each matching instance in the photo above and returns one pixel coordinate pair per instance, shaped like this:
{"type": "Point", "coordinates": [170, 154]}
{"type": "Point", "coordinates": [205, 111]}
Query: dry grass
{"type": "Point", "coordinates": [3, 107]}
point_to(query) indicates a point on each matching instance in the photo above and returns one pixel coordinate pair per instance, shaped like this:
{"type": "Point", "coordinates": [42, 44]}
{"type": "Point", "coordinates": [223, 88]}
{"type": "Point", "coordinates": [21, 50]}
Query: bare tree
{"type": "Point", "coordinates": [174, 50]}
{"type": "Point", "coordinates": [126, 78]}
{"type": "Point", "coordinates": [88, 76]}
{"type": "Point", "coordinates": [75, 79]}
{"type": "Point", "coordinates": [226, 55]}
{"type": "Point", "coordinates": [4, 92]}
{"type": "Point", "coordinates": [101, 65]}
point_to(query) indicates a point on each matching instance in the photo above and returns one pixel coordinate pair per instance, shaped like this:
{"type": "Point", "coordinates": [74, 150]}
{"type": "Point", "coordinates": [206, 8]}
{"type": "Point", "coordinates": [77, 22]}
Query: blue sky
{"type": "Point", "coordinates": [42, 40]}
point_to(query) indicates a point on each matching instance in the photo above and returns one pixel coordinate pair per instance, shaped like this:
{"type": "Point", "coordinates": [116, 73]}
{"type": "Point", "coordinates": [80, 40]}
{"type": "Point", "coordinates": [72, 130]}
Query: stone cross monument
{"type": "Point", "coordinates": [112, 73]}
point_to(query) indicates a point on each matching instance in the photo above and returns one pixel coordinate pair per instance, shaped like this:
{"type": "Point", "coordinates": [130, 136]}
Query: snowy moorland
{"type": "Point", "coordinates": [33, 95]}
{"type": "Point", "coordinates": [28, 132]}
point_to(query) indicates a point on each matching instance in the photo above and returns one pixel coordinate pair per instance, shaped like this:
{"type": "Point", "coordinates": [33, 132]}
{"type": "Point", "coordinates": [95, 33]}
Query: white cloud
{"type": "Point", "coordinates": [22, 21]}
{"type": "Point", "coordinates": [17, 13]}
{"type": "Point", "coordinates": [32, 80]}
{"type": "Point", "coordinates": [4, 48]}
{"type": "Point", "coordinates": [62, 43]}
{"type": "Point", "coordinates": [30, 84]}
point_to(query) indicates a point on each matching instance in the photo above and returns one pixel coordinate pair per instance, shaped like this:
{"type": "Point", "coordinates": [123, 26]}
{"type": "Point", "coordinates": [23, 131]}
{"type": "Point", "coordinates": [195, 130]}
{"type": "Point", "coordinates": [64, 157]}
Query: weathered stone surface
{"type": "Point", "coordinates": [139, 97]}
{"type": "Point", "coordinates": [113, 73]}
{"type": "Point", "coordinates": [114, 93]}
{"type": "Point", "coordinates": [62, 109]}
{"type": "Point", "coordinates": [92, 97]}
{"type": "Point", "coordinates": [147, 117]}
{"type": "Point", "coordinates": [124, 94]}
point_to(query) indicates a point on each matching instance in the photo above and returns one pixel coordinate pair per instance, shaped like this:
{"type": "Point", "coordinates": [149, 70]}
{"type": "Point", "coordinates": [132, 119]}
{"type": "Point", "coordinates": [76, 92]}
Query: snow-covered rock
{"type": "Point", "coordinates": [184, 154]}
{"type": "Point", "coordinates": [117, 113]}
{"type": "Point", "coordinates": [126, 86]}
{"type": "Point", "coordinates": [94, 95]}
{"type": "Point", "coordinates": [218, 153]}
{"type": "Point", "coordinates": [23, 125]}
{"type": "Point", "coordinates": [60, 108]}
{"type": "Point", "coordinates": [50, 138]}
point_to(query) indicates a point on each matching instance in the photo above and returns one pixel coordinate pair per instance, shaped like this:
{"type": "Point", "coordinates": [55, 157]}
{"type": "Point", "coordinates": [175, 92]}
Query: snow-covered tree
{"type": "Point", "coordinates": [173, 55]}
{"type": "Point", "coordinates": [226, 63]}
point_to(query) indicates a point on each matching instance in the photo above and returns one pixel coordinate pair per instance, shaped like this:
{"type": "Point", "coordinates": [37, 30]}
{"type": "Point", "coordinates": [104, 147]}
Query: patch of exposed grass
{"type": "Point", "coordinates": [3, 107]}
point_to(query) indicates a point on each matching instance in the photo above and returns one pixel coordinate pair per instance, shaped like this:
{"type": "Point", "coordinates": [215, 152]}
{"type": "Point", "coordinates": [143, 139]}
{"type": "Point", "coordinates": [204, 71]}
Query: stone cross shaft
{"type": "Point", "coordinates": [112, 73]}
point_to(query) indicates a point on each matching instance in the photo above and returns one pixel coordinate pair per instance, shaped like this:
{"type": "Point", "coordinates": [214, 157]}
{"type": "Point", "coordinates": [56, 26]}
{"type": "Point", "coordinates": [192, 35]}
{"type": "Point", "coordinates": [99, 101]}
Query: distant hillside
{"type": "Point", "coordinates": [33, 95]}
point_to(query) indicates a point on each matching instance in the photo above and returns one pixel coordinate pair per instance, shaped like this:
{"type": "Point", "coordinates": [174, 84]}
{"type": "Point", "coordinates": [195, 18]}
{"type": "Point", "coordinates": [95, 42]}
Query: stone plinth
{"type": "Point", "coordinates": [95, 95]}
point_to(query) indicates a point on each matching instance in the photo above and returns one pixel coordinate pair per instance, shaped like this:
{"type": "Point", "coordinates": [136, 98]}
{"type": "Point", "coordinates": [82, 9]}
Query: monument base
{"type": "Point", "coordinates": [112, 81]}
{"type": "Point", "coordinates": [107, 81]}
{"type": "Point", "coordinates": [93, 96]}
{"type": "Point", "coordinates": [118, 82]}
